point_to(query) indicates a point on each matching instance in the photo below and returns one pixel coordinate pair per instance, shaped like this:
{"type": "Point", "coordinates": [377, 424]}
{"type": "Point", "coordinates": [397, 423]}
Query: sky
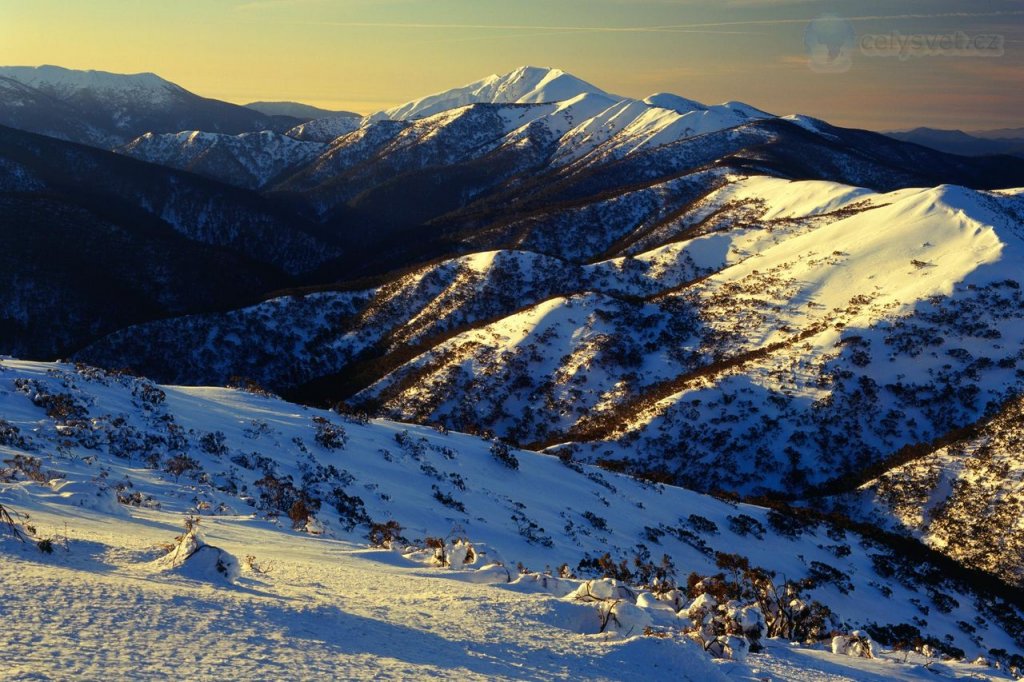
{"type": "Point", "coordinates": [366, 55]}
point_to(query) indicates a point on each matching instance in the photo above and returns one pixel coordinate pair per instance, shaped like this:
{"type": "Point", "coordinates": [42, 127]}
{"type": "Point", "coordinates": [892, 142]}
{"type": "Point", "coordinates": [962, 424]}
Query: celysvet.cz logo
{"type": "Point", "coordinates": [832, 44]}
{"type": "Point", "coordinates": [956, 44]}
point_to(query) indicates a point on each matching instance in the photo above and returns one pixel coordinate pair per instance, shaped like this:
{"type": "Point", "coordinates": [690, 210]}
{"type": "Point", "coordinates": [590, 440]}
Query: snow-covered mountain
{"type": "Point", "coordinates": [325, 129]}
{"type": "Point", "coordinates": [769, 311]}
{"type": "Point", "coordinates": [85, 450]}
{"type": "Point", "coordinates": [97, 241]}
{"type": "Point", "coordinates": [704, 295]}
{"type": "Point", "coordinates": [107, 109]}
{"type": "Point", "coordinates": [525, 85]}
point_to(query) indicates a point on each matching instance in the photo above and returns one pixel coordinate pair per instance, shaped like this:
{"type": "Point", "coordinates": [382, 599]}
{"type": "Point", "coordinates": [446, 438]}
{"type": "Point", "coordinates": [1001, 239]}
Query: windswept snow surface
{"type": "Point", "coordinates": [328, 610]}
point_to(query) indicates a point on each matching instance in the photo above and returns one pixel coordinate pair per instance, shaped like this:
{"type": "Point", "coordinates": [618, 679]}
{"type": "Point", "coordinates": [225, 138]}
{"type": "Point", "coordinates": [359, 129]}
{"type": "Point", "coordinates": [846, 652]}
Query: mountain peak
{"type": "Point", "coordinates": [63, 82]}
{"type": "Point", "coordinates": [667, 100]}
{"type": "Point", "coordinates": [523, 85]}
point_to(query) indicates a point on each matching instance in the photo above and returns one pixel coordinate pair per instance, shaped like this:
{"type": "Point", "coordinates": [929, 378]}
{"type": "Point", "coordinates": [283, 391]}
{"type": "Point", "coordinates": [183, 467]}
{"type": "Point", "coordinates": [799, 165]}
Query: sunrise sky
{"type": "Point", "coordinates": [365, 55]}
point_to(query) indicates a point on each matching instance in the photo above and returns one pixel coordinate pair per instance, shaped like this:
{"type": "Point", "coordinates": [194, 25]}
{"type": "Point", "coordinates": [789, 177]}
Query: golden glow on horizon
{"type": "Point", "coordinates": [365, 55]}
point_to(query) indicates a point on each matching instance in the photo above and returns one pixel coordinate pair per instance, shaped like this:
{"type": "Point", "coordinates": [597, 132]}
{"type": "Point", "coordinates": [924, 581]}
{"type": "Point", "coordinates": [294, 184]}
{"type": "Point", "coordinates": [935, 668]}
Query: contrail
{"type": "Point", "coordinates": [668, 28]}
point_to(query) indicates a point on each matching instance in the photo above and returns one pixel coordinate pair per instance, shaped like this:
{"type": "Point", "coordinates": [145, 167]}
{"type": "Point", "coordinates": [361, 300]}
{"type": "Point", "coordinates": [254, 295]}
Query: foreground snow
{"type": "Point", "coordinates": [108, 467]}
{"type": "Point", "coordinates": [327, 609]}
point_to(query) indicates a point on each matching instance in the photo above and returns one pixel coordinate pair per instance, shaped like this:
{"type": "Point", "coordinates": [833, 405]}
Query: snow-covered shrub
{"type": "Point", "coordinates": [725, 629]}
{"type": "Point", "coordinates": [213, 443]}
{"type": "Point", "coordinates": [351, 509]}
{"type": "Point", "coordinates": [180, 464]}
{"type": "Point", "coordinates": [28, 466]}
{"type": "Point", "coordinates": [460, 553]}
{"type": "Point", "coordinates": [191, 555]}
{"type": "Point", "coordinates": [743, 524]}
{"type": "Point", "coordinates": [447, 500]}
{"type": "Point", "coordinates": [501, 452]}
{"type": "Point", "coordinates": [616, 606]}
{"type": "Point", "coordinates": [384, 534]}
{"type": "Point", "coordinates": [10, 435]}
{"type": "Point", "coordinates": [703, 525]}
{"type": "Point", "coordinates": [782, 612]}
{"type": "Point", "coordinates": [857, 644]}
{"type": "Point", "coordinates": [327, 435]}
{"type": "Point", "coordinates": [824, 574]}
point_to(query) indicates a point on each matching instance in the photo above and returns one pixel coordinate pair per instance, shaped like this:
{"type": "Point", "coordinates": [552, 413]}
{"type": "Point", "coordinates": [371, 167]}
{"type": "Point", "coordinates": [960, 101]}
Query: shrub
{"type": "Point", "coordinates": [703, 525]}
{"type": "Point", "coordinates": [213, 443]}
{"type": "Point", "coordinates": [299, 513]}
{"type": "Point", "coordinates": [384, 534]}
{"type": "Point", "coordinates": [327, 435]}
{"type": "Point", "coordinates": [746, 525]}
{"type": "Point", "coordinates": [447, 500]}
{"type": "Point", "coordinates": [180, 464]}
{"type": "Point", "coordinates": [501, 452]}
{"type": "Point", "coordinates": [596, 521]}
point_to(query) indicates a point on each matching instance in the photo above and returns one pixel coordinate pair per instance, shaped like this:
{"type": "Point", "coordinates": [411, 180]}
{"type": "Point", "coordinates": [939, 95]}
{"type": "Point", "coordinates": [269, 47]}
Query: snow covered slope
{"type": "Point", "coordinates": [965, 497]}
{"type": "Point", "coordinates": [248, 160]}
{"type": "Point", "coordinates": [802, 321]}
{"type": "Point", "coordinates": [325, 129]}
{"type": "Point", "coordinates": [114, 463]}
{"type": "Point", "coordinates": [839, 323]}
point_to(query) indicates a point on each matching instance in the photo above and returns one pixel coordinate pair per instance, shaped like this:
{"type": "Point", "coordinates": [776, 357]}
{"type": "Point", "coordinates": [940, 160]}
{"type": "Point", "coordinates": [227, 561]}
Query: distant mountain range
{"type": "Point", "coordinates": [981, 143]}
{"type": "Point", "coordinates": [105, 109]}
{"type": "Point", "coordinates": [297, 110]}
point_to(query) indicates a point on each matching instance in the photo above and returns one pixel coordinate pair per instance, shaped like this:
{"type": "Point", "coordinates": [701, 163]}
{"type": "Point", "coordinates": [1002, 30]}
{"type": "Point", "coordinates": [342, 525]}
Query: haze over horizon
{"type": "Point", "coordinates": [365, 56]}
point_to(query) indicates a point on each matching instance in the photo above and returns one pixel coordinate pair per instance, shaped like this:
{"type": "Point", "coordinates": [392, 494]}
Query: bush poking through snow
{"type": "Point", "coordinates": [384, 534]}
{"type": "Point", "coordinates": [616, 604]}
{"type": "Point", "coordinates": [193, 557]}
{"type": "Point", "coordinates": [501, 452]}
{"type": "Point", "coordinates": [856, 644]}
{"type": "Point", "coordinates": [725, 630]}
{"type": "Point", "coordinates": [454, 554]}
{"type": "Point", "coordinates": [180, 464]}
{"type": "Point", "coordinates": [8, 523]}
{"type": "Point", "coordinates": [258, 567]}
{"type": "Point", "coordinates": [327, 435]}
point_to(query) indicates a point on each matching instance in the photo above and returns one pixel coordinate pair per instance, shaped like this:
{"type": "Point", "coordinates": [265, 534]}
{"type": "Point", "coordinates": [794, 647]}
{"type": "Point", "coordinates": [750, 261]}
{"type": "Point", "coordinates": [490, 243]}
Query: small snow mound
{"type": "Point", "coordinates": [89, 495]}
{"type": "Point", "coordinates": [193, 558]}
{"type": "Point", "coordinates": [857, 644]}
{"type": "Point", "coordinates": [542, 583]}
{"type": "Point", "coordinates": [603, 589]}
{"type": "Point", "coordinates": [658, 658]}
